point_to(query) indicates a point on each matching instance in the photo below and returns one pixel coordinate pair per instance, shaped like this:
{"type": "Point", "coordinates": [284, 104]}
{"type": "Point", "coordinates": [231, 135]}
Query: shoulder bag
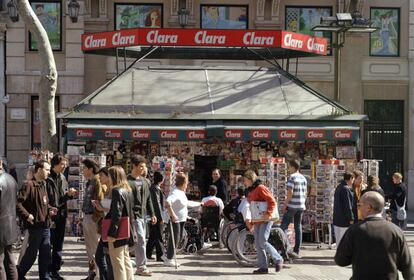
{"type": "Point", "coordinates": [401, 212]}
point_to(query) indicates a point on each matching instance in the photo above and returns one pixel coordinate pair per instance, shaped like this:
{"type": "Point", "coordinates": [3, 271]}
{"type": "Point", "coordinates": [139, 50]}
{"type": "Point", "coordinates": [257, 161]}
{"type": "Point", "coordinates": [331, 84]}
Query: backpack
{"type": "Point", "coordinates": [278, 238]}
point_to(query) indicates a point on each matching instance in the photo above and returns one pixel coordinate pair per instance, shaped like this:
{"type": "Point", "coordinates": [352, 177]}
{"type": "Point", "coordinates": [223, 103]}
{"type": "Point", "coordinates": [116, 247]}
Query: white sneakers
{"type": "Point", "coordinates": [143, 272]}
{"type": "Point", "coordinates": [171, 263]}
{"type": "Point", "coordinates": [205, 247]}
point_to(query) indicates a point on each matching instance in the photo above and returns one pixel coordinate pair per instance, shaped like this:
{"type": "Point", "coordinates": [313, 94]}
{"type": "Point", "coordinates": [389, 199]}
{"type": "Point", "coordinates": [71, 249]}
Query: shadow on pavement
{"type": "Point", "coordinates": [204, 273]}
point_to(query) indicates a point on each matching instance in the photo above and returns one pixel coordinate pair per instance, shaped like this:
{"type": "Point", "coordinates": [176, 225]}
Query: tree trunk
{"type": "Point", "coordinates": [48, 76]}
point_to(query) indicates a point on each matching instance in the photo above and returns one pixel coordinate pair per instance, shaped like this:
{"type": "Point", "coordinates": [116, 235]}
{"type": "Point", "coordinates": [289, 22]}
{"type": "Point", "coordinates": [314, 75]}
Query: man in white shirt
{"type": "Point", "coordinates": [210, 201]}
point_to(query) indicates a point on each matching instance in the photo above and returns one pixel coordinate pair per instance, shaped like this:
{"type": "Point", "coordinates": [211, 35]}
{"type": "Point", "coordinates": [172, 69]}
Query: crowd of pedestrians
{"type": "Point", "coordinates": [117, 208]}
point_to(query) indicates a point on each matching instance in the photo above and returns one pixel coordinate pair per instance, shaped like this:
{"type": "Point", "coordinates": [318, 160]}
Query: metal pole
{"type": "Point", "coordinates": [125, 59]}
{"type": "Point", "coordinates": [116, 59]}
{"type": "Point", "coordinates": [173, 242]}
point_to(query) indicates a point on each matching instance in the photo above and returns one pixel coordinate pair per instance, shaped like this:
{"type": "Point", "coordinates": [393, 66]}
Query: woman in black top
{"type": "Point", "coordinates": [121, 206]}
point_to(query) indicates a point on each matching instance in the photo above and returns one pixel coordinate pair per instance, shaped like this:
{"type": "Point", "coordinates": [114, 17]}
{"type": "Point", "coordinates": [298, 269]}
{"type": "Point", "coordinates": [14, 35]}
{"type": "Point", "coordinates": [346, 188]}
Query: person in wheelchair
{"type": "Point", "coordinates": [230, 210]}
{"type": "Point", "coordinates": [211, 210]}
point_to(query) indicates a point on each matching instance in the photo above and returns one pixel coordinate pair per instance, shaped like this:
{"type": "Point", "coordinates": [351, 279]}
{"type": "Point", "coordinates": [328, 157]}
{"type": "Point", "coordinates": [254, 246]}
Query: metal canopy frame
{"type": "Point", "coordinates": [205, 53]}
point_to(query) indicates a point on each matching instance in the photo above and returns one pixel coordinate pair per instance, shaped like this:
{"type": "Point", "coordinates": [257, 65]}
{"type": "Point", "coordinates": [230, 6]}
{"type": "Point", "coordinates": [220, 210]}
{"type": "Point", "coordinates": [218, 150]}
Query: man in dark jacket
{"type": "Point", "coordinates": [398, 197]}
{"type": "Point", "coordinates": [56, 183]}
{"type": "Point", "coordinates": [376, 248]}
{"type": "Point", "coordinates": [8, 191]}
{"type": "Point", "coordinates": [343, 212]}
{"type": "Point", "coordinates": [220, 183]}
{"type": "Point", "coordinates": [142, 203]}
{"type": "Point", "coordinates": [156, 230]}
{"type": "Point", "coordinates": [34, 209]}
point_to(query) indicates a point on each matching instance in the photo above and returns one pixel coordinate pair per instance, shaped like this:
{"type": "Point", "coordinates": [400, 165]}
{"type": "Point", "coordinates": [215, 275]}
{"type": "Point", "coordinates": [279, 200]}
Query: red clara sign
{"type": "Point", "coordinates": [112, 133]}
{"type": "Point", "coordinates": [203, 38]}
{"type": "Point", "coordinates": [315, 134]}
{"type": "Point", "coordinates": [181, 37]}
{"type": "Point", "coordinates": [288, 134]}
{"type": "Point", "coordinates": [84, 133]}
{"type": "Point", "coordinates": [141, 134]}
{"type": "Point", "coordinates": [260, 134]}
{"type": "Point", "coordinates": [233, 133]}
{"type": "Point", "coordinates": [305, 43]}
{"type": "Point", "coordinates": [196, 135]}
{"type": "Point", "coordinates": [168, 134]}
{"type": "Point", "coordinates": [342, 134]}
{"type": "Point", "coordinates": [112, 39]}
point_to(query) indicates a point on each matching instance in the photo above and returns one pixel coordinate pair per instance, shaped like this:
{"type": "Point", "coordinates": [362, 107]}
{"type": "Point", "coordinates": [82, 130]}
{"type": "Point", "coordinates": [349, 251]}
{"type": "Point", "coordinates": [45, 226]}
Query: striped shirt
{"type": "Point", "coordinates": [298, 185]}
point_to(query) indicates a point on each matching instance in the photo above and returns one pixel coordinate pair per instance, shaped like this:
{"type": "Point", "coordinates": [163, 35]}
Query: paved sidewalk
{"type": "Point", "coordinates": [316, 264]}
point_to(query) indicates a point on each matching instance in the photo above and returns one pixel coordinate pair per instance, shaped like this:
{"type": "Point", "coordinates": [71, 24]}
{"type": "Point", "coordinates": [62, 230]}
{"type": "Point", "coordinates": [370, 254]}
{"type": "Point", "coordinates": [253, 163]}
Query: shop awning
{"type": "Point", "coordinates": [216, 93]}
{"type": "Point", "coordinates": [198, 103]}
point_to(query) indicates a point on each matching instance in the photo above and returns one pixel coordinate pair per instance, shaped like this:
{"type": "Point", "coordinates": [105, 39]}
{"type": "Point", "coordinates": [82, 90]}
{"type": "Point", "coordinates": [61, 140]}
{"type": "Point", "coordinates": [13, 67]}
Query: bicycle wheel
{"type": "Point", "coordinates": [244, 249]}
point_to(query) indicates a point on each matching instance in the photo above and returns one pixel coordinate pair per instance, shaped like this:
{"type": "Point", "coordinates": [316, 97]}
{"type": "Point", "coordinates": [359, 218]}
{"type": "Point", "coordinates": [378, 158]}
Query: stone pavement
{"type": "Point", "coordinates": [316, 264]}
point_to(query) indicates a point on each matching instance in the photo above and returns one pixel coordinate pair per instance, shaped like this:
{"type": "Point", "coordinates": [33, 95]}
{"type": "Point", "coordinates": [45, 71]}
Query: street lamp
{"type": "Point", "coordinates": [339, 25]}
{"type": "Point", "coordinates": [73, 8]}
{"type": "Point", "coordinates": [183, 17]}
{"type": "Point", "coordinates": [12, 9]}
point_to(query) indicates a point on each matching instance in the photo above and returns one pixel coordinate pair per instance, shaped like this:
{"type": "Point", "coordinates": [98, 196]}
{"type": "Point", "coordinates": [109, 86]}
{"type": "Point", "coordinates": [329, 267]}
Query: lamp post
{"type": "Point", "coordinates": [73, 9]}
{"type": "Point", "coordinates": [340, 25]}
{"type": "Point", "coordinates": [183, 17]}
{"type": "Point", "coordinates": [12, 9]}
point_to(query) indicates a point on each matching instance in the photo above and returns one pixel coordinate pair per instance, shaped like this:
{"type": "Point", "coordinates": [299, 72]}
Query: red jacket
{"type": "Point", "coordinates": [260, 192]}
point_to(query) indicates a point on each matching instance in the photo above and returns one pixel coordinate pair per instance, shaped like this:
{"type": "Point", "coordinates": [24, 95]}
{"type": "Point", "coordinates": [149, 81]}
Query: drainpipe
{"type": "Point", "coordinates": [3, 94]}
{"type": "Point", "coordinates": [410, 172]}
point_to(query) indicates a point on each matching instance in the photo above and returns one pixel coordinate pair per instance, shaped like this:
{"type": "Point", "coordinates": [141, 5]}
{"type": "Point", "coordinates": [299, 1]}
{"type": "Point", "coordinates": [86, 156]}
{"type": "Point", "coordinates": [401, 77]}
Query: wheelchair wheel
{"type": "Point", "coordinates": [228, 226]}
{"type": "Point", "coordinates": [244, 250]}
{"type": "Point", "coordinates": [232, 238]}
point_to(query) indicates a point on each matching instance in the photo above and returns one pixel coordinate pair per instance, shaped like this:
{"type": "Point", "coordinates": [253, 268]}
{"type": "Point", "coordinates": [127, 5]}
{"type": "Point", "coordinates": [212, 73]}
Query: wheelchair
{"type": "Point", "coordinates": [212, 221]}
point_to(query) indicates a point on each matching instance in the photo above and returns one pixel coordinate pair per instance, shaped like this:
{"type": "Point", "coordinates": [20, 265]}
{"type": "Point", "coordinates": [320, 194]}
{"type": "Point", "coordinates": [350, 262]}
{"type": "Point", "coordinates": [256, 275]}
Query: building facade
{"type": "Point", "coordinates": [374, 73]}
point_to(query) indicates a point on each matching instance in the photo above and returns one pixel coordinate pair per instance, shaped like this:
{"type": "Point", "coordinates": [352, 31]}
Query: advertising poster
{"type": "Point", "coordinates": [385, 41]}
{"type": "Point", "coordinates": [49, 14]}
{"type": "Point", "coordinates": [223, 17]}
{"type": "Point", "coordinates": [137, 16]}
{"type": "Point", "coordinates": [303, 19]}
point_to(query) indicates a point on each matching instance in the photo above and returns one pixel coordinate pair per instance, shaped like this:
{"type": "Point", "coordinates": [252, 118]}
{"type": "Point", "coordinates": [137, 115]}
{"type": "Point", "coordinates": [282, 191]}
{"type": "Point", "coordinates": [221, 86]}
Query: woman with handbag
{"type": "Point", "coordinates": [259, 192]}
{"type": "Point", "coordinates": [120, 218]}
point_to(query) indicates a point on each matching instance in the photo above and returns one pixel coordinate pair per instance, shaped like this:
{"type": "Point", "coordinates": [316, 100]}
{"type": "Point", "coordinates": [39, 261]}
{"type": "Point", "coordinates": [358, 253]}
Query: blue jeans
{"type": "Point", "coordinates": [140, 252]}
{"type": "Point", "coordinates": [296, 214]}
{"type": "Point", "coordinates": [39, 241]}
{"type": "Point", "coordinates": [261, 235]}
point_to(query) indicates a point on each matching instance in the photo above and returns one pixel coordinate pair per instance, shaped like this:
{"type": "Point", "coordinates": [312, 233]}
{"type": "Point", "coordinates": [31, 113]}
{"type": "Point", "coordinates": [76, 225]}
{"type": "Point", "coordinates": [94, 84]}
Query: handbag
{"type": "Point", "coordinates": [123, 229]}
{"type": "Point", "coordinates": [259, 209]}
{"type": "Point", "coordinates": [401, 212]}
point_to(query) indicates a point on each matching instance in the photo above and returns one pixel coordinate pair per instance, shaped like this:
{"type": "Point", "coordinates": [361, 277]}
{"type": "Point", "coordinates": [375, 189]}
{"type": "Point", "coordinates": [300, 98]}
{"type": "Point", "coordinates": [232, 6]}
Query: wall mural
{"type": "Point", "coordinates": [137, 16]}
